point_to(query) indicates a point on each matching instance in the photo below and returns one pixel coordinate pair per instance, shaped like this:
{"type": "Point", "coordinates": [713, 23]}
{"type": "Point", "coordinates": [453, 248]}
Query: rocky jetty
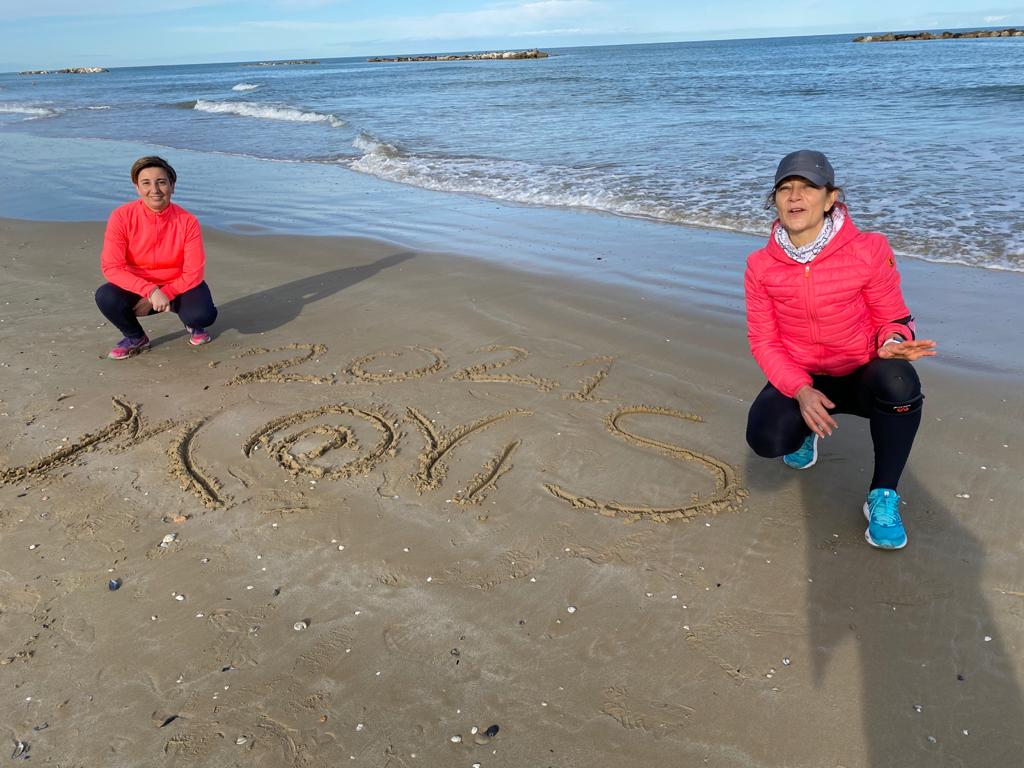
{"type": "Point", "coordinates": [894, 36]}
{"type": "Point", "coordinates": [531, 54]}
{"type": "Point", "coordinates": [65, 71]}
{"type": "Point", "coordinates": [290, 63]}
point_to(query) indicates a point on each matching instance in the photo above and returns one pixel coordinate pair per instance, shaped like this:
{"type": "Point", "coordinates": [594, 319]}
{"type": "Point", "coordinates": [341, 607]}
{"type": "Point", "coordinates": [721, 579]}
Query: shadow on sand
{"type": "Point", "coordinates": [274, 307]}
{"type": "Point", "coordinates": [917, 618]}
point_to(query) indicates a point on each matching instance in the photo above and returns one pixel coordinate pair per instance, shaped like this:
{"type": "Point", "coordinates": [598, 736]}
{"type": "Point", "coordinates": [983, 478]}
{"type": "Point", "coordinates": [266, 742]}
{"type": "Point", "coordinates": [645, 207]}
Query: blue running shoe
{"type": "Point", "coordinates": [885, 529]}
{"type": "Point", "coordinates": [805, 456]}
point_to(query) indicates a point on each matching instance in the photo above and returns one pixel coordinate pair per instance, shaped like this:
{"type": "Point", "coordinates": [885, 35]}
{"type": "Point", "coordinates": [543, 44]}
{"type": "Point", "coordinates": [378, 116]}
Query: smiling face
{"type": "Point", "coordinates": [802, 207]}
{"type": "Point", "coordinates": [155, 188]}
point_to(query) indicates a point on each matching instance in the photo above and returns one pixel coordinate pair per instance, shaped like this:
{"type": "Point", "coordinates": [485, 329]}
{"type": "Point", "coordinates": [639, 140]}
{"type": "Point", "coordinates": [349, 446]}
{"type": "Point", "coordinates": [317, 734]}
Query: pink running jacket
{"type": "Point", "coordinates": [826, 317]}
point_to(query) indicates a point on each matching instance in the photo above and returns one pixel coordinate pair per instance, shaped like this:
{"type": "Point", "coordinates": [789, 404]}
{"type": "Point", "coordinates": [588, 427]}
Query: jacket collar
{"type": "Point", "coordinates": [845, 234]}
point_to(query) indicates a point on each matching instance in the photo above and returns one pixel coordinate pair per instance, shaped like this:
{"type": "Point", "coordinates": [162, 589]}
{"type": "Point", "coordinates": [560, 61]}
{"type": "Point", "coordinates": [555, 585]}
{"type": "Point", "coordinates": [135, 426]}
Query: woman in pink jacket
{"type": "Point", "coordinates": [828, 326]}
{"type": "Point", "coordinates": [154, 261]}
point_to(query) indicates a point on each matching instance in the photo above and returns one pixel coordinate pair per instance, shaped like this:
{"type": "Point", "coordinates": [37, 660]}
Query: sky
{"type": "Point", "coordinates": [38, 34]}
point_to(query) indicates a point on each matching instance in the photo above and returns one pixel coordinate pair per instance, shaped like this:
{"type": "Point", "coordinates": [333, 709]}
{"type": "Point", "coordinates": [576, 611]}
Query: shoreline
{"type": "Point", "coordinates": [709, 598]}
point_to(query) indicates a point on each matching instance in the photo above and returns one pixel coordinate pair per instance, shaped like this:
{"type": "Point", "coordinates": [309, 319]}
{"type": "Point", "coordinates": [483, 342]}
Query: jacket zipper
{"type": "Point", "coordinates": [811, 317]}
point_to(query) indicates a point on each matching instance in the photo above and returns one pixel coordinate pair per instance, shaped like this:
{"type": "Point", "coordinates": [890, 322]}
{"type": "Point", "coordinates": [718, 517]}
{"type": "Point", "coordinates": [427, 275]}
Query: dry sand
{"type": "Point", "coordinates": [494, 499]}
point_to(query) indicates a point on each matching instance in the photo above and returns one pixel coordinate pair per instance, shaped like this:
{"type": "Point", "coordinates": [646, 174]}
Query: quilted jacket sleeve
{"type": "Point", "coordinates": [766, 342]}
{"type": "Point", "coordinates": [884, 298]}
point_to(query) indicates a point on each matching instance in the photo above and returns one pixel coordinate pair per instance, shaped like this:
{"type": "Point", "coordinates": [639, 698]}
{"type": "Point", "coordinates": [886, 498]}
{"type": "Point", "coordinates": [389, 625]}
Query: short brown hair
{"type": "Point", "coordinates": [152, 161]}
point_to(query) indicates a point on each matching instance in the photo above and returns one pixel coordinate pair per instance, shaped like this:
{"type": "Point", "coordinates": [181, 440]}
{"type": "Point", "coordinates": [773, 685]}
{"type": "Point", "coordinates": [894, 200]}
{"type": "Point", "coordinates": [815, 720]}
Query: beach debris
{"type": "Point", "coordinates": [963, 495]}
{"type": "Point", "coordinates": [241, 740]}
{"type": "Point", "coordinates": [228, 668]}
{"type": "Point", "coordinates": [176, 518]}
{"type": "Point", "coordinates": [988, 638]}
{"type": "Point", "coordinates": [475, 765]}
{"type": "Point", "coordinates": [571, 609]}
{"type": "Point", "coordinates": [40, 727]}
{"type": "Point", "coordinates": [21, 749]}
{"type": "Point", "coordinates": [33, 546]}
{"type": "Point", "coordinates": [168, 720]}
{"type": "Point", "coordinates": [298, 626]}
{"type": "Point", "coordinates": [474, 730]}
{"type": "Point", "coordinates": [178, 596]}
{"type": "Point", "coordinates": [932, 740]}
{"type": "Point", "coordinates": [918, 708]}
{"type": "Point", "coordinates": [167, 540]}
{"type": "Point", "coordinates": [114, 584]}
{"type": "Point", "coordinates": [786, 661]}
{"type": "Point", "coordinates": [486, 736]}
{"type": "Point", "coordinates": [456, 739]}
{"type": "Point", "coordinates": [360, 727]}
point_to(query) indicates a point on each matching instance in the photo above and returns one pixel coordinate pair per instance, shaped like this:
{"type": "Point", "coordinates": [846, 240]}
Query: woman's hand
{"type": "Point", "coordinates": [814, 408]}
{"type": "Point", "coordinates": [907, 350]}
{"type": "Point", "coordinates": [160, 302]}
{"type": "Point", "coordinates": [142, 307]}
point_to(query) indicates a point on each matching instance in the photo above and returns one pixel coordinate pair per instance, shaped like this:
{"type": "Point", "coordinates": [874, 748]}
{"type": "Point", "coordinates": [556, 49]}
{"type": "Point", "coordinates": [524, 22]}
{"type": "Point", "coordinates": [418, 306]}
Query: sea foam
{"type": "Point", "coordinates": [266, 112]}
{"type": "Point", "coordinates": [32, 111]}
{"type": "Point", "coordinates": [245, 87]}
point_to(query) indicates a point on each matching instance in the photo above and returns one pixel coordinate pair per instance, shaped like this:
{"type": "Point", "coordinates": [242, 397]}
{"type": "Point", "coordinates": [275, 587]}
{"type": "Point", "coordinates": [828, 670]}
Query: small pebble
{"type": "Point", "coordinates": [298, 626]}
{"type": "Point", "coordinates": [179, 598]}
{"type": "Point", "coordinates": [114, 584]}
{"type": "Point", "coordinates": [33, 546]}
{"type": "Point", "coordinates": [932, 740]}
{"type": "Point", "coordinates": [786, 661]}
{"type": "Point", "coordinates": [988, 638]}
{"type": "Point", "coordinates": [571, 609]}
{"type": "Point", "coordinates": [455, 739]}
{"type": "Point", "coordinates": [918, 708]}
{"type": "Point", "coordinates": [360, 726]}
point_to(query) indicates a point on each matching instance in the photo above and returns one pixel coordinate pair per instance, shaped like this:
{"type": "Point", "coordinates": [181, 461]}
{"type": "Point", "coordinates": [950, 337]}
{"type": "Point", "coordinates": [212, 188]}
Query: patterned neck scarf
{"type": "Point", "coordinates": [804, 254]}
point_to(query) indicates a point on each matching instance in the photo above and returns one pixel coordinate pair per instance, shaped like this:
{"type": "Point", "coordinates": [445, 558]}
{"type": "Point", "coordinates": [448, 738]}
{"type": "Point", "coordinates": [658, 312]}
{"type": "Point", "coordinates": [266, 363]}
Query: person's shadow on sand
{"type": "Point", "coordinates": [274, 307]}
{"type": "Point", "coordinates": [935, 691]}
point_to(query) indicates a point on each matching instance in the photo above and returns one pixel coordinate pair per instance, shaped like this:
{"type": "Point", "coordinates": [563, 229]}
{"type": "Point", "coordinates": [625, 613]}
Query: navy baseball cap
{"type": "Point", "coordinates": [807, 164]}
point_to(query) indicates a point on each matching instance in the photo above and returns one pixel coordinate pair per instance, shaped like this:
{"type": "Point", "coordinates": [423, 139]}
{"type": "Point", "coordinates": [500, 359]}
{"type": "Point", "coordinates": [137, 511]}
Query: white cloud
{"type": "Point", "coordinates": [995, 19]}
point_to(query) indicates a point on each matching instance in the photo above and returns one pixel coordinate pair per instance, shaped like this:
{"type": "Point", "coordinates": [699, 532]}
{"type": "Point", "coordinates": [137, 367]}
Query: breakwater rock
{"type": "Point", "coordinates": [66, 71]}
{"type": "Point", "coordinates": [504, 55]}
{"type": "Point", "coordinates": [290, 63]}
{"type": "Point", "coordinates": [894, 36]}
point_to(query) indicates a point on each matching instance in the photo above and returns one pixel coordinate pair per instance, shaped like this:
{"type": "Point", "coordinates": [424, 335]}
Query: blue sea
{"type": "Point", "coordinates": [927, 139]}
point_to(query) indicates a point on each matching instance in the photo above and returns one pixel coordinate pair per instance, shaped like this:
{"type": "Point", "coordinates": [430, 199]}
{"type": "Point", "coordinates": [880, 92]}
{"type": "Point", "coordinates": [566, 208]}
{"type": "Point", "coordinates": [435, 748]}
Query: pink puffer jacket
{"type": "Point", "coordinates": [829, 316]}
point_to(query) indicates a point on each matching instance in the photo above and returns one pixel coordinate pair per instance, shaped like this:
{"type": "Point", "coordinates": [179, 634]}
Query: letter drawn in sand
{"type": "Point", "coordinates": [586, 388]}
{"type": "Point", "coordinates": [127, 424]}
{"type": "Point", "coordinates": [357, 367]}
{"type": "Point", "coordinates": [191, 476]}
{"type": "Point", "coordinates": [282, 450]}
{"type": "Point", "coordinates": [727, 491]}
{"type": "Point", "coordinates": [272, 372]}
{"type": "Point", "coordinates": [433, 469]}
{"type": "Point", "coordinates": [482, 371]}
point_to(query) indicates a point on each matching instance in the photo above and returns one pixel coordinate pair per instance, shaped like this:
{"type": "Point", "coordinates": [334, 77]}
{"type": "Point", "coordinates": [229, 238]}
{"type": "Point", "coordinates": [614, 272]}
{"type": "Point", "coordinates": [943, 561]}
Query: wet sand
{"type": "Point", "coordinates": [484, 498]}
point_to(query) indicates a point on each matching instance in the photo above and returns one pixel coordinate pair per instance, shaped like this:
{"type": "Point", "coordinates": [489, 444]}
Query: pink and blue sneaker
{"type": "Point", "coordinates": [128, 346]}
{"type": "Point", "coordinates": [198, 336]}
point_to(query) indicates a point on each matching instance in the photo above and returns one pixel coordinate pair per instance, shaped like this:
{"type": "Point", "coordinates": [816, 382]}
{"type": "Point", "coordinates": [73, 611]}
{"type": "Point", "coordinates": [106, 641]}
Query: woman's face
{"type": "Point", "coordinates": [155, 188]}
{"type": "Point", "coordinates": [801, 207]}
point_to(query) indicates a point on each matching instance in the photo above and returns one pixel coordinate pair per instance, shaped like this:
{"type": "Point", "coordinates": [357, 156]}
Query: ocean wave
{"type": "Point", "coordinates": [33, 112]}
{"type": "Point", "coordinates": [266, 112]}
{"type": "Point", "coordinates": [99, 107]}
{"type": "Point", "coordinates": [594, 188]}
{"type": "Point", "coordinates": [245, 87]}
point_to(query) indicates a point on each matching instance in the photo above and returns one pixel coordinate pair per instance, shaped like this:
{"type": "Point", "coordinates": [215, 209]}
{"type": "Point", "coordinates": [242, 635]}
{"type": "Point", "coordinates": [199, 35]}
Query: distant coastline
{"type": "Point", "coordinates": [899, 36]}
{"type": "Point", "coordinates": [289, 63]}
{"type": "Point", "coordinates": [492, 55]}
{"type": "Point", "coordinates": [65, 71]}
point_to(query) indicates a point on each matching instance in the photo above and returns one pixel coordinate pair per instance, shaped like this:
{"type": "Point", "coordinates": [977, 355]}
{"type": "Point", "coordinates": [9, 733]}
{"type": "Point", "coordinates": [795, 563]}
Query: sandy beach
{"type": "Point", "coordinates": [408, 496]}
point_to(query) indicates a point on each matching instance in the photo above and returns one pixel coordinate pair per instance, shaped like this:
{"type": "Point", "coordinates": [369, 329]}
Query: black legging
{"type": "Point", "coordinates": [194, 307]}
{"type": "Point", "coordinates": [887, 392]}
